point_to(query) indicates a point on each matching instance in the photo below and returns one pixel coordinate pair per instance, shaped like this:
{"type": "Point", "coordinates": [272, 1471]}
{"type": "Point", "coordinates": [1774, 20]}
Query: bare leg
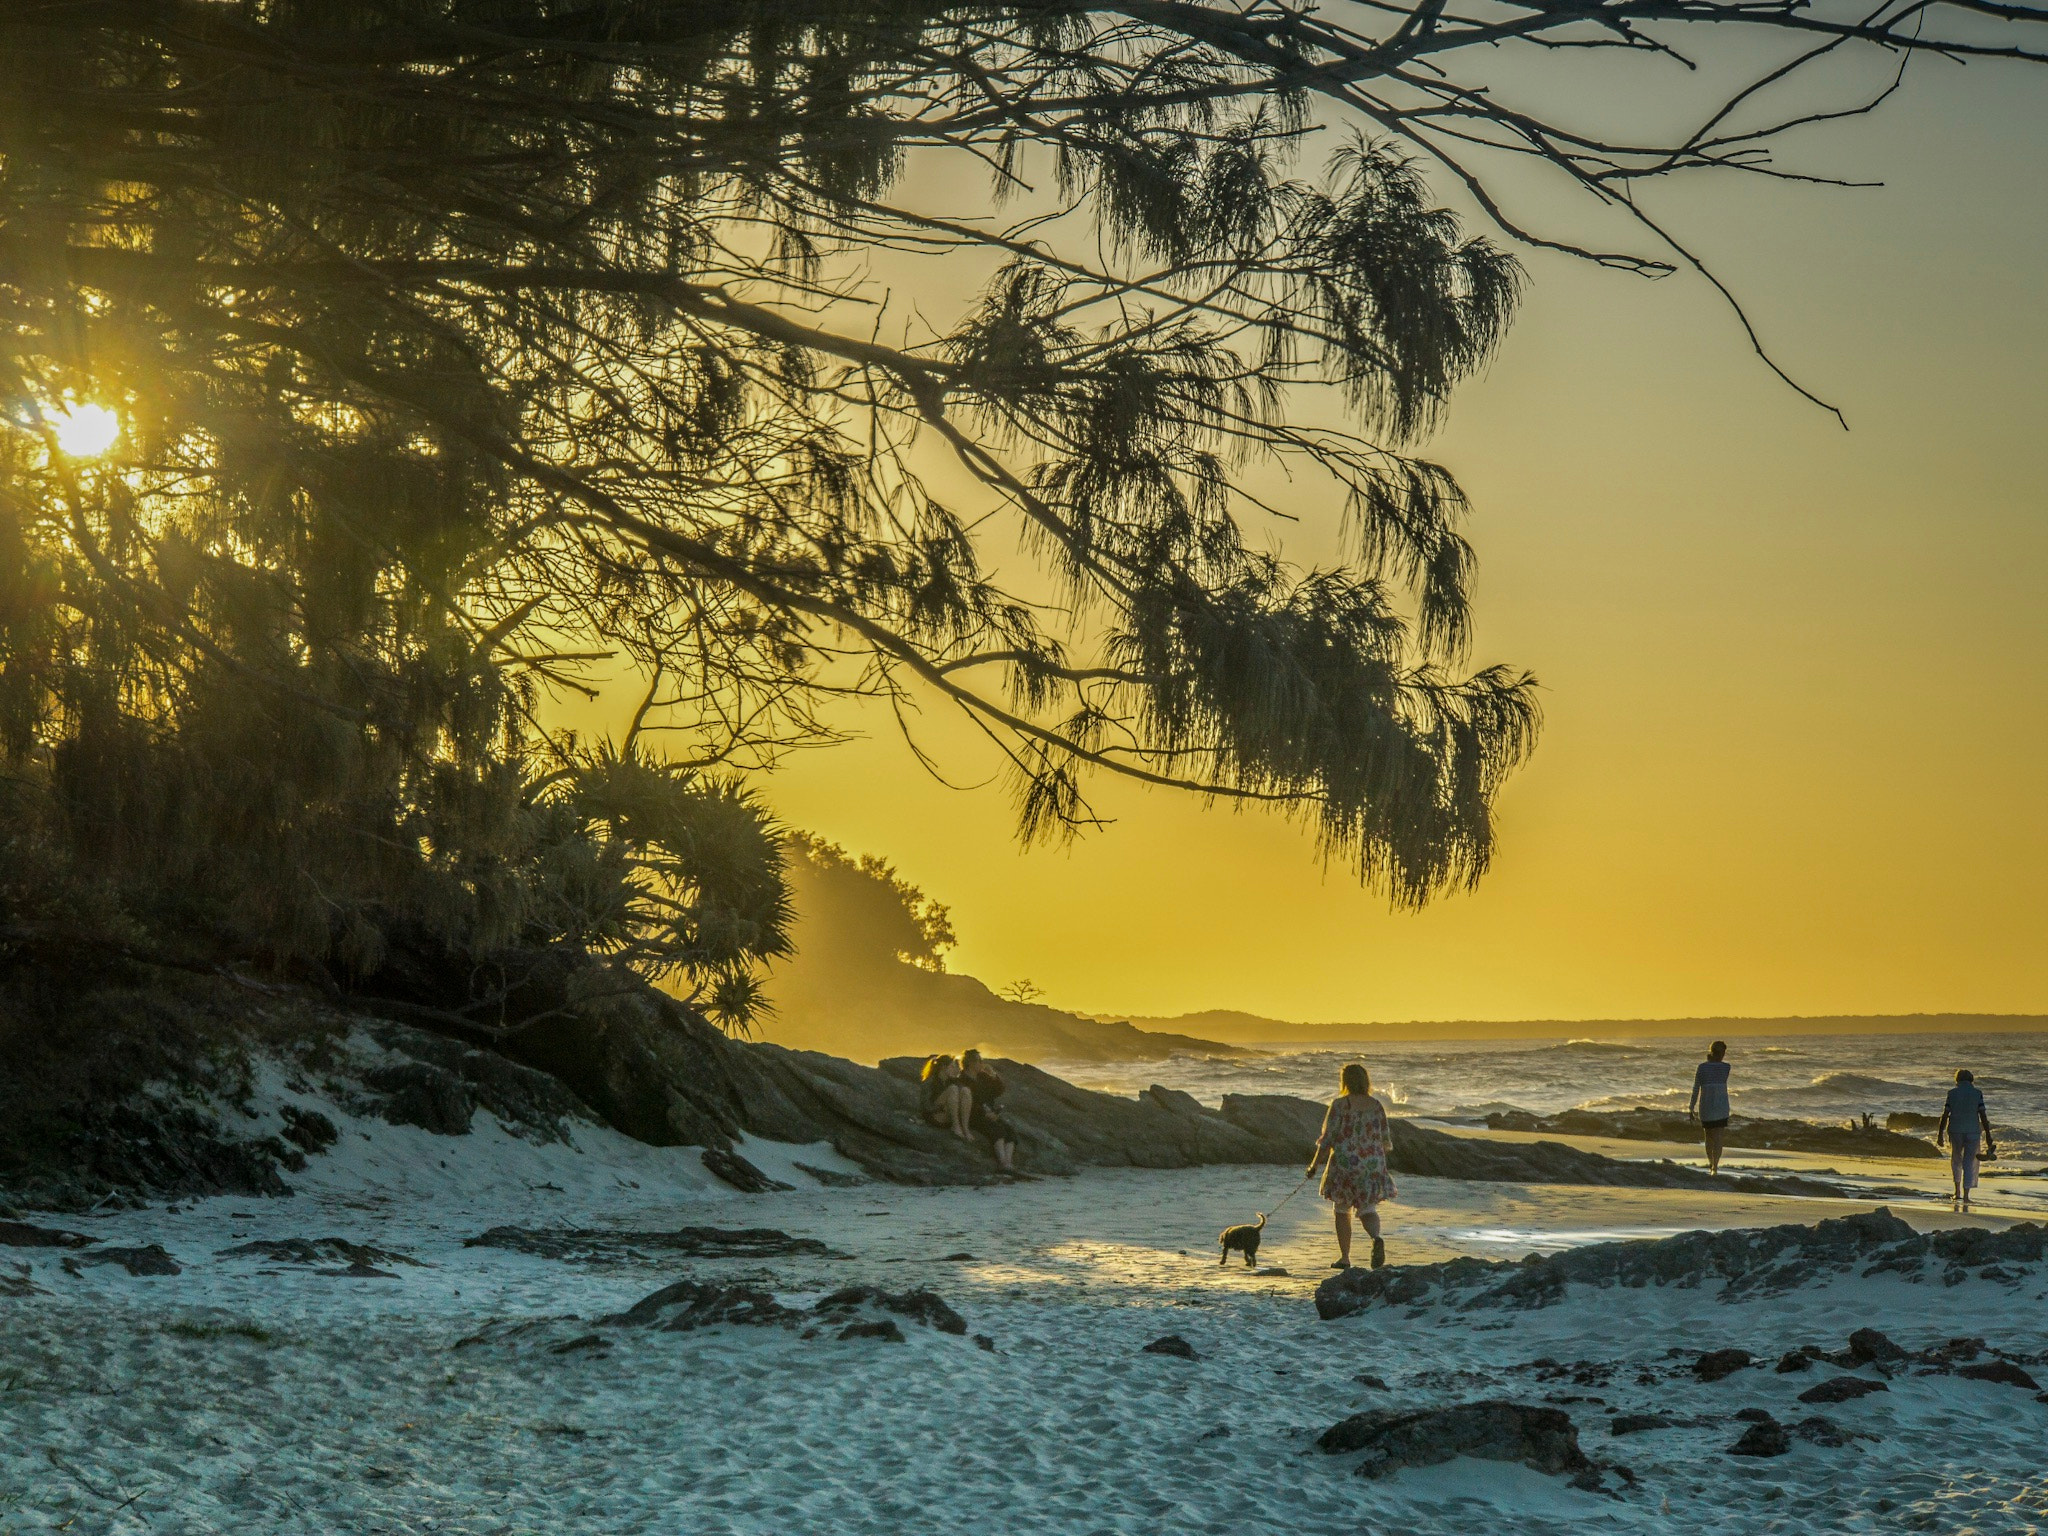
{"type": "Point", "coordinates": [1005, 1152]}
{"type": "Point", "coordinates": [1370, 1220]}
{"type": "Point", "coordinates": [1714, 1139]}
{"type": "Point", "coordinates": [959, 1104]}
{"type": "Point", "coordinates": [1343, 1237]}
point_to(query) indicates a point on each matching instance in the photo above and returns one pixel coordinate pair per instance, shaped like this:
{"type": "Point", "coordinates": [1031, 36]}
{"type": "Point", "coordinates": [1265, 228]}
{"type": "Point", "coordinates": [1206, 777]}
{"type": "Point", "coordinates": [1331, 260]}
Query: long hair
{"type": "Point", "coordinates": [932, 1065]}
{"type": "Point", "coordinates": [1355, 1080]}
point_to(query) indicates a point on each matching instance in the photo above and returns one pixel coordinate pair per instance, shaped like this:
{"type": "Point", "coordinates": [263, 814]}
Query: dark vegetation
{"type": "Point", "coordinates": [869, 979]}
{"type": "Point", "coordinates": [468, 353]}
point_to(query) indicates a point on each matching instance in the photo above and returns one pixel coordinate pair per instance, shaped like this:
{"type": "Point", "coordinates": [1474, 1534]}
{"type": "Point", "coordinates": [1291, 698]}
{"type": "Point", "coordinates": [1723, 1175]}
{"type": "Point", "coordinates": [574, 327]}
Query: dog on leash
{"type": "Point", "coordinates": [1244, 1240]}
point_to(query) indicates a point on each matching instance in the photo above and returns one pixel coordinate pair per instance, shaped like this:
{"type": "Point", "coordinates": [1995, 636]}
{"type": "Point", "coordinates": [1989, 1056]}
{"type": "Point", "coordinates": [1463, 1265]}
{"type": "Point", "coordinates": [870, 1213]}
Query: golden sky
{"type": "Point", "coordinates": [1796, 678]}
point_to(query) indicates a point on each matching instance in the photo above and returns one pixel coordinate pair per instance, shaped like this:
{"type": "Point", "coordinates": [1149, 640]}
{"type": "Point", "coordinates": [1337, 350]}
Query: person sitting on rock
{"type": "Point", "coordinates": [1355, 1141]}
{"type": "Point", "coordinates": [1965, 1120]}
{"type": "Point", "coordinates": [987, 1086]}
{"type": "Point", "coordinates": [1709, 1102]}
{"type": "Point", "coordinates": [943, 1098]}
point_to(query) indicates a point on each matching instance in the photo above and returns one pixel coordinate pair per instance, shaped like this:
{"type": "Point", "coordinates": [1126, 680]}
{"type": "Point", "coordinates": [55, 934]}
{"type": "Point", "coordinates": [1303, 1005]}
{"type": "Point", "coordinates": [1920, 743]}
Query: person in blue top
{"type": "Point", "coordinates": [1968, 1126]}
{"type": "Point", "coordinates": [1709, 1102]}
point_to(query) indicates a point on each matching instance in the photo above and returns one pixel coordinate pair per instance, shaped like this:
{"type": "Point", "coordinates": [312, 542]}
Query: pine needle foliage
{"type": "Point", "coordinates": [463, 347]}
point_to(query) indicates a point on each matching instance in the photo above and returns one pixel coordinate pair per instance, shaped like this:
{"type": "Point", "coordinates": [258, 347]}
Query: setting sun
{"type": "Point", "coordinates": [84, 430]}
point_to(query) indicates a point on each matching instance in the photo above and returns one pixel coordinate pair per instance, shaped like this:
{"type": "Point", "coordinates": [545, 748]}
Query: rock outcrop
{"type": "Point", "coordinates": [597, 1047]}
{"type": "Point", "coordinates": [1438, 1154]}
{"type": "Point", "coordinates": [1743, 1131]}
{"type": "Point", "coordinates": [1391, 1438]}
{"type": "Point", "coordinates": [1842, 1389]}
{"type": "Point", "coordinates": [854, 1312]}
{"type": "Point", "coordinates": [337, 1251]}
{"type": "Point", "coordinates": [598, 1245]}
{"type": "Point", "coordinates": [1744, 1262]}
{"type": "Point", "coordinates": [150, 1259]}
{"type": "Point", "coordinates": [20, 1234]}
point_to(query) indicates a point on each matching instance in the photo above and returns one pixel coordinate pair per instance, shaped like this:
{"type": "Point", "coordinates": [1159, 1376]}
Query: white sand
{"type": "Point", "coordinates": [355, 1414]}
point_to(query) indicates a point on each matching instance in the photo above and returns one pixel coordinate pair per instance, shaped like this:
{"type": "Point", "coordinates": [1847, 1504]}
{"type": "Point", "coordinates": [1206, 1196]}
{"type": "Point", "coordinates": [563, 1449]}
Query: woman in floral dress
{"type": "Point", "coordinates": [1355, 1141]}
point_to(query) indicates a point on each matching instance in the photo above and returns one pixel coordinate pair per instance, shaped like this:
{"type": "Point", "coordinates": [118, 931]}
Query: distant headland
{"type": "Point", "coordinates": [1239, 1028]}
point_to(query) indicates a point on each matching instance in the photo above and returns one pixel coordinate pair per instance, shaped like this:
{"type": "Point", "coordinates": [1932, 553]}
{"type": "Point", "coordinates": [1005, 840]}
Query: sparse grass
{"type": "Point", "coordinates": [207, 1332]}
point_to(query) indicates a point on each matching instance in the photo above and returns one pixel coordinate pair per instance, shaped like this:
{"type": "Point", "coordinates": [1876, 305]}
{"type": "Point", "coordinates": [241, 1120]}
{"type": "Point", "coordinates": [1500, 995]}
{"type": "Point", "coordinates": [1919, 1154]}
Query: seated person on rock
{"type": "Point", "coordinates": [943, 1098]}
{"type": "Point", "coordinates": [987, 1119]}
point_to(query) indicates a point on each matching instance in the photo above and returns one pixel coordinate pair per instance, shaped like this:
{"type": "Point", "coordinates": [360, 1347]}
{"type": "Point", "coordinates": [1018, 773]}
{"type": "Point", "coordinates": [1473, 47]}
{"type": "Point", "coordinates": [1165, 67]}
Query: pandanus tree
{"type": "Point", "coordinates": [465, 350]}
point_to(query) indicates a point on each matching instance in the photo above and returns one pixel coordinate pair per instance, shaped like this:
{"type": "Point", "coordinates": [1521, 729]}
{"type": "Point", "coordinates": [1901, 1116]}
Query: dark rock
{"type": "Point", "coordinates": [19, 1234]}
{"type": "Point", "coordinates": [1277, 1118]}
{"type": "Point", "coordinates": [1743, 1131]}
{"type": "Point", "coordinates": [1367, 1379]}
{"type": "Point", "coordinates": [1172, 1344]}
{"type": "Point", "coordinates": [658, 1072]}
{"type": "Point", "coordinates": [1820, 1431]}
{"type": "Point", "coordinates": [1637, 1423]}
{"type": "Point", "coordinates": [1867, 1345]}
{"type": "Point", "coordinates": [1954, 1352]}
{"type": "Point", "coordinates": [1746, 1261]}
{"type": "Point", "coordinates": [1755, 1415]}
{"type": "Point", "coordinates": [885, 1328]}
{"type": "Point", "coordinates": [148, 1260]}
{"type": "Point", "coordinates": [356, 1272]}
{"type": "Point", "coordinates": [920, 1306]}
{"type": "Point", "coordinates": [144, 1146]}
{"type": "Point", "coordinates": [1795, 1360]}
{"type": "Point", "coordinates": [1842, 1389]}
{"type": "Point", "coordinates": [2003, 1372]}
{"type": "Point", "coordinates": [958, 1258]}
{"type": "Point", "coordinates": [739, 1173]}
{"type": "Point", "coordinates": [1768, 1438]}
{"type": "Point", "coordinates": [420, 1094]}
{"type": "Point", "coordinates": [1440, 1154]}
{"type": "Point", "coordinates": [690, 1304]}
{"type": "Point", "coordinates": [524, 1330]}
{"type": "Point", "coordinates": [1719, 1363]}
{"type": "Point", "coordinates": [20, 1283]}
{"type": "Point", "coordinates": [308, 1129]}
{"type": "Point", "coordinates": [1542, 1438]}
{"type": "Point", "coordinates": [590, 1245]}
{"type": "Point", "coordinates": [582, 1342]}
{"type": "Point", "coordinates": [831, 1178]}
{"type": "Point", "coordinates": [983, 1341]}
{"type": "Point", "coordinates": [319, 1250]}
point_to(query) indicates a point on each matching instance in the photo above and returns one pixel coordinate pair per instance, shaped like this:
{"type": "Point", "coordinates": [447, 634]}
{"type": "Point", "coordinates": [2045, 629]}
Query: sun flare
{"type": "Point", "coordinates": [83, 430]}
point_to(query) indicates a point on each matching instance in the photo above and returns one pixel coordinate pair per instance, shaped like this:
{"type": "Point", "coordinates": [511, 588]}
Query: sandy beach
{"type": "Point", "coordinates": [244, 1394]}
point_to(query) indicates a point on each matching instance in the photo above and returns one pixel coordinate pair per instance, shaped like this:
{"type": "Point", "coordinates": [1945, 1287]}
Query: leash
{"type": "Point", "coordinates": [1292, 1193]}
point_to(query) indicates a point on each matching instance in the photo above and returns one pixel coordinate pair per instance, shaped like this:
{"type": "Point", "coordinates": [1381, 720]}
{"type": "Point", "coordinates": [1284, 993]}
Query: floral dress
{"type": "Point", "coordinates": [1355, 1136]}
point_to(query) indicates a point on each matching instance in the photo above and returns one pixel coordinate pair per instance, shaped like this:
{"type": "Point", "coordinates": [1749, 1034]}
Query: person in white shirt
{"type": "Point", "coordinates": [1709, 1102]}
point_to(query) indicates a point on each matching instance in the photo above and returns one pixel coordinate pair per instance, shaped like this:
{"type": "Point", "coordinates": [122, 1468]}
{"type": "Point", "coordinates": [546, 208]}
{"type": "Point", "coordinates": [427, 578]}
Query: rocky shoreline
{"type": "Point", "coordinates": [238, 1112]}
{"type": "Point", "coordinates": [1743, 1131]}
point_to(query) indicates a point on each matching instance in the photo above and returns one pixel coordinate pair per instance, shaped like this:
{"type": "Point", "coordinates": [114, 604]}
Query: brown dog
{"type": "Point", "coordinates": [1245, 1240]}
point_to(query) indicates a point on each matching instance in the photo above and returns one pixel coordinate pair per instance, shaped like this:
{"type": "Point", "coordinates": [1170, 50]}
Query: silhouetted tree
{"type": "Point", "coordinates": [464, 346]}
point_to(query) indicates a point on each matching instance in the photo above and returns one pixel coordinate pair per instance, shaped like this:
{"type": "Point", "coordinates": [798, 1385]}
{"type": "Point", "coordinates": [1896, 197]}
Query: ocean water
{"type": "Point", "coordinates": [1806, 1077]}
